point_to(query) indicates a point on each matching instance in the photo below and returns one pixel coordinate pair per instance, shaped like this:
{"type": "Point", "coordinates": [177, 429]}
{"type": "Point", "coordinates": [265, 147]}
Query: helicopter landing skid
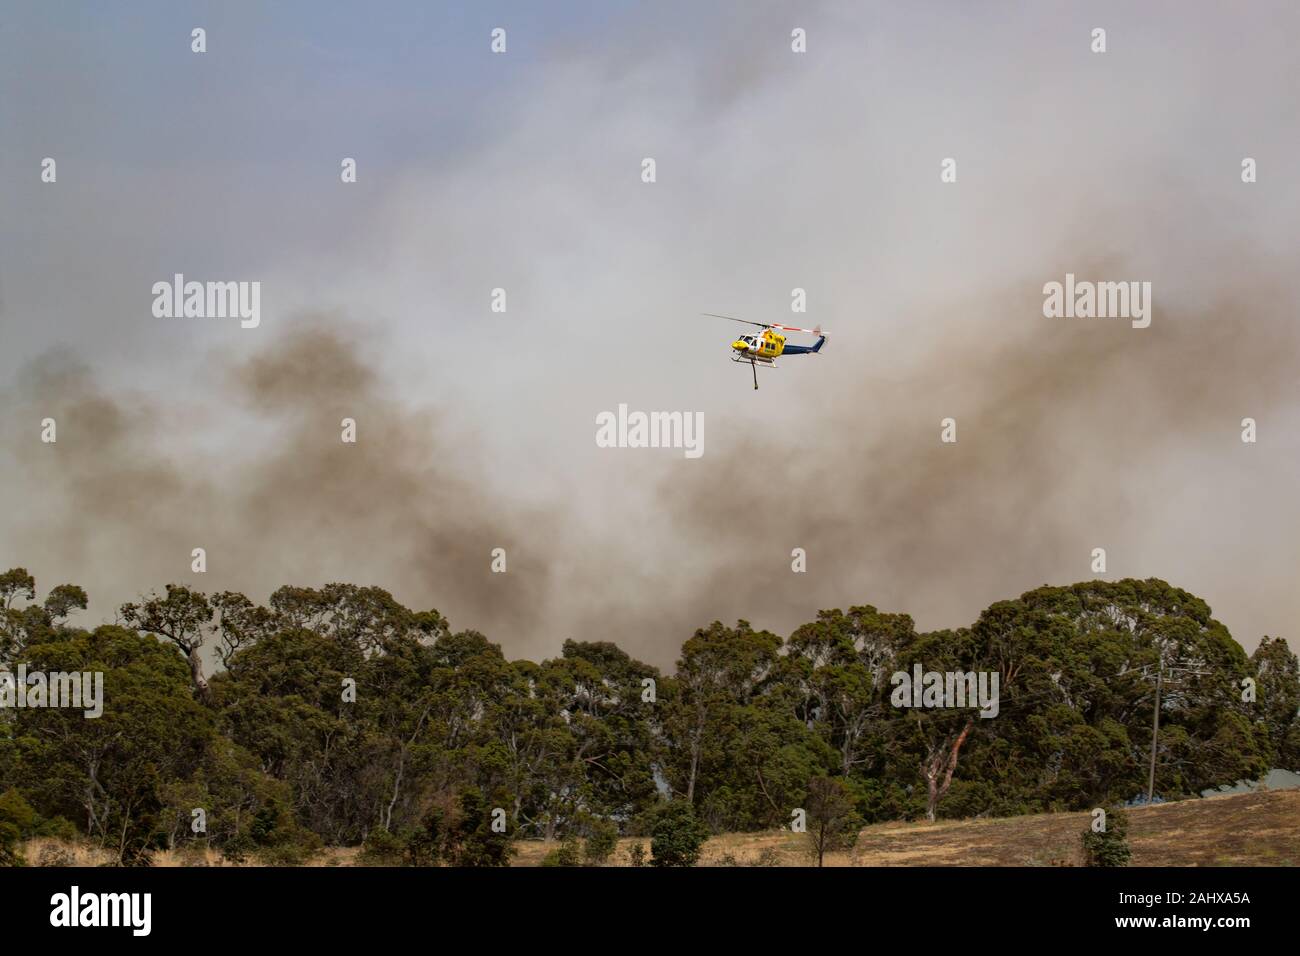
{"type": "Point", "coordinates": [754, 364]}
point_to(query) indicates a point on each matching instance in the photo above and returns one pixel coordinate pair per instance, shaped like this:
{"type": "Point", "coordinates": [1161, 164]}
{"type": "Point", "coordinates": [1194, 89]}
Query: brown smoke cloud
{"type": "Point", "coordinates": [129, 488]}
{"type": "Point", "coordinates": [1072, 434]}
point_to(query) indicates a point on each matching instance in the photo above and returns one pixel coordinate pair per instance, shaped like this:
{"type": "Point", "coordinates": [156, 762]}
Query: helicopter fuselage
{"type": "Point", "coordinates": [763, 347]}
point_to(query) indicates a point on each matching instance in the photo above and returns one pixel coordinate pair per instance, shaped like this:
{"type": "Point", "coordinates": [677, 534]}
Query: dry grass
{"type": "Point", "coordinates": [1248, 829]}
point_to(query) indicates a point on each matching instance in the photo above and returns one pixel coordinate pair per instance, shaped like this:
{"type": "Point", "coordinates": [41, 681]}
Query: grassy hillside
{"type": "Point", "coordinates": [1240, 829]}
{"type": "Point", "coordinates": [1236, 830]}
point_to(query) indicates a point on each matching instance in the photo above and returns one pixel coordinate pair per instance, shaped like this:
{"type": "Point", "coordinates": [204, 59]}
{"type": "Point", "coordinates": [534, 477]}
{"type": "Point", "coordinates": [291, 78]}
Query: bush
{"type": "Point", "coordinates": [17, 818]}
{"type": "Point", "coordinates": [568, 853]}
{"type": "Point", "coordinates": [192, 853]}
{"type": "Point", "coordinates": [676, 835]}
{"type": "Point", "coordinates": [285, 854]}
{"type": "Point", "coordinates": [1109, 847]}
{"type": "Point", "coordinates": [471, 839]}
{"type": "Point", "coordinates": [602, 842]}
{"type": "Point", "coordinates": [424, 845]}
{"type": "Point", "coordinates": [383, 848]}
{"type": "Point", "coordinates": [11, 853]}
{"type": "Point", "coordinates": [636, 854]}
{"type": "Point", "coordinates": [768, 856]}
{"type": "Point", "coordinates": [237, 848]}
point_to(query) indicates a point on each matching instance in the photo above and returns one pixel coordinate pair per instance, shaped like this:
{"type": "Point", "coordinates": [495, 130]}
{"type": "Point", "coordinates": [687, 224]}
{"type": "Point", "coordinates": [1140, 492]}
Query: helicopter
{"type": "Point", "coordinates": [762, 348]}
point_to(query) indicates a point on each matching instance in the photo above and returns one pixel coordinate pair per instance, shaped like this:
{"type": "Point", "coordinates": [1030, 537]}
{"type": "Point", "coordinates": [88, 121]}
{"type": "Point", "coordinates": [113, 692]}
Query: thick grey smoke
{"type": "Point", "coordinates": [776, 171]}
{"type": "Point", "coordinates": [128, 489]}
{"type": "Point", "coordinates": [1092, 435]}
{"type": "Point", "coordinates": [1080, 434]}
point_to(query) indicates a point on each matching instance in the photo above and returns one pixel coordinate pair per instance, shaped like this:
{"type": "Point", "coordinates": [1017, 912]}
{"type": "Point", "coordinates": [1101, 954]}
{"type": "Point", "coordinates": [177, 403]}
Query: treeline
{"type": "Point", "coordinates": [336, 716]}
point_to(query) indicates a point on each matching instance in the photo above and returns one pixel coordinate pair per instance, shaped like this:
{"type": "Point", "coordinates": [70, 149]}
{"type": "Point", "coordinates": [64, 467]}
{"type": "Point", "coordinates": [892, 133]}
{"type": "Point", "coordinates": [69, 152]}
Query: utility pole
{"type": "Point", "coordinates": [1178, 672]}
{"type": "Point", "coordinates": [1155, 730]}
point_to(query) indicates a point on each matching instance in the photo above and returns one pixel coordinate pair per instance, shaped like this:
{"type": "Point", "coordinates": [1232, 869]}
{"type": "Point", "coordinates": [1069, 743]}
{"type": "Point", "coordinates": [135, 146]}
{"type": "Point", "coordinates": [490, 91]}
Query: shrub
{"type": "Point", "coordinates": [1109, 847]}
{"type": "Point", "coordinates": [382, 848]}
{"type": "Point", "coordinates": [568, 853]}
{"type": "Point", "coordinates": [676, 835]}
{"type": "Point", "coordinates": [768, 856]}
{"type": "Point", "coordinates": [17, 819]}
{"type": "Point", "coordinates": [424, 845]}
{"type": "Point", "coordinates": [602, 842]}
{"type": "Point", "coordinates": [11, 853]}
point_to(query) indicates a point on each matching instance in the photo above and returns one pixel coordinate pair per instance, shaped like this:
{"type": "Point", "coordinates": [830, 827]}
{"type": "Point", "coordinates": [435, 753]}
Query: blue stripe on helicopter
{"type": "Point", "coordinates": [804, 349]}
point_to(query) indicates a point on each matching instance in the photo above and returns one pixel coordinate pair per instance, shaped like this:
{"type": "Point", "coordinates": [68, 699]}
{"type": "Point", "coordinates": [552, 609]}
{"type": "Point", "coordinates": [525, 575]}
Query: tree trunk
{"type": "Point", "coordinates": [690, 784]}
{"type": "Point", "coordinates": [196, 674]}
{"type": "Point", "coordinates": [942, 763]}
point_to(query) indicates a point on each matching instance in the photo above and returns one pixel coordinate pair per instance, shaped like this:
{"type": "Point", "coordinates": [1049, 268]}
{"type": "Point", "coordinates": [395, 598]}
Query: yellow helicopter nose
{"type": "Point", "coordinates": [740, 346]}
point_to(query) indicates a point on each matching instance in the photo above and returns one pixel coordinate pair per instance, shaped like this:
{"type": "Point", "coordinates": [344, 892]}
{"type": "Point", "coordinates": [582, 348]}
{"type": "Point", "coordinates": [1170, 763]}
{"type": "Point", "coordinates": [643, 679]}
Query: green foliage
{"type": "Point", "coordinates": [455, 832]}
{"type": "Point", "coordinates": [602, 841]}
{"type": "Point", "coordinates": [1278, 699]}
{"type": "Point", "coordinates": [568, 853]}
{"type": "Point", "coordinates": [425, 845]}
{"type": "Point", "coordinates": [11, 853]}
{"type": "Point", "coordinates": [1110, 846]}
{"type": "Point", "coordinates": [445, 730]}
{"type": "Point", "coordinates": [18, 812]}
{"type": "Point", "coordinates": [832, 823]}
{"type": "Point", "coordinates": [676, 835]}
{"type": "Point", "coordinates": [382, 848]}
{"type": "Point", "coordinates": [17, 820]}
{"type": "Point", "coordinates": [473, 842]}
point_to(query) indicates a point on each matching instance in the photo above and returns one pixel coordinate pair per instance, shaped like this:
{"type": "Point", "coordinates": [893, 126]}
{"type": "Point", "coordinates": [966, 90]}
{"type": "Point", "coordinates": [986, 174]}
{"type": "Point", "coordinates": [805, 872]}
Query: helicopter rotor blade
{"type": "Point", "coordinates": [766, 325]}
{"type": "Point", "coordinates": [790, 328]}
{"type": "Point", "coordinates": [761, 325]}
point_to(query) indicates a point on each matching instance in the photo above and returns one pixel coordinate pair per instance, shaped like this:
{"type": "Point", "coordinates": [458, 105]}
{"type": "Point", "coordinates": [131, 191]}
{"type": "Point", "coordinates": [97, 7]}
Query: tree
{"type": "Point", "coordinates": [182, 616]}
{"type": "Point", "coordinates": [939, 734]}
{"type": "Point", "coordinates": [240, 623]}
{"type": "Point", "coordinates": [16, 583]}
{"type": "Point", "coordinates": [832, 822]}
{"type": "Point", "coordinates": [33, 623]}
{"type": "Point", "coordinates": [1278, 700]}
{"type": "Point", "coordinates": [720, 672]}
{"type": "Point", "coordinates": [841, 664]}
{"type": "Point", "coordinates": [113, 771]}
{"type": "Point", "coordinates": [63, 600]}
{"type": "Point", "coordinates": [444, 736]}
